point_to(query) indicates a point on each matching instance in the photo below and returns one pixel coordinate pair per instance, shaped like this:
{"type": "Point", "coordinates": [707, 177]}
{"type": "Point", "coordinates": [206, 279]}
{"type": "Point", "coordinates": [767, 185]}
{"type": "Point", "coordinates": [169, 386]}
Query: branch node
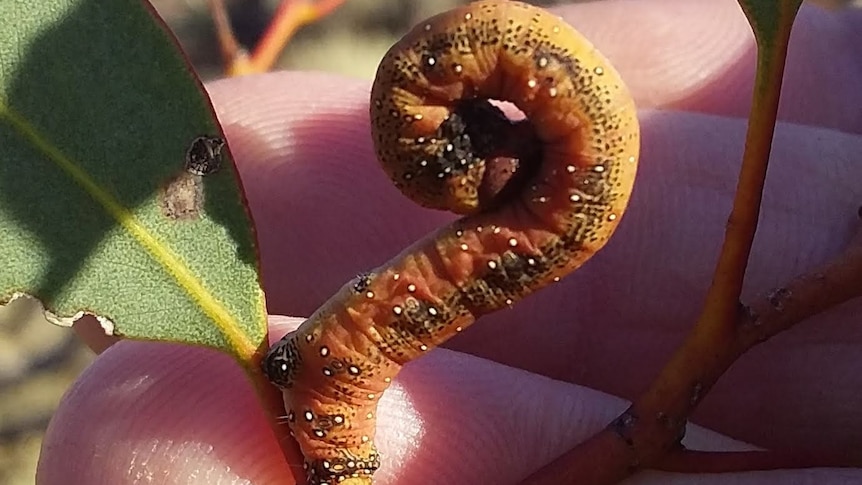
{"type": "Point", "coordinates": [778, 298]}
{"type": "Point", "coordinates": [750, 317]}
{"type": "Point", "coordinates": [624, 426]}
{"type": "Point", "coordinates": [696, 393]}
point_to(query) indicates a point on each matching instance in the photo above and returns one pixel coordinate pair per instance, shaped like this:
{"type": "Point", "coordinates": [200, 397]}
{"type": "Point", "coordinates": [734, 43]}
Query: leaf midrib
{"type": "Point", "coordinates": [160, 252]}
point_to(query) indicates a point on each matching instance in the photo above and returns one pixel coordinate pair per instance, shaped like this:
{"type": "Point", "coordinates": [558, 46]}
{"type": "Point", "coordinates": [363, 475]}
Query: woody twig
{"type": "Point", "coordinates": [648, 434]}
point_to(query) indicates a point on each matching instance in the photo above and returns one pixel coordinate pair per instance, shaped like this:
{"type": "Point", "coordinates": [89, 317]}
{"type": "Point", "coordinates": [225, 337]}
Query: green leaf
{"type": "Point", "coordinates": [771, 21]}
{"type": "Point", "coordinates": [98, 109]}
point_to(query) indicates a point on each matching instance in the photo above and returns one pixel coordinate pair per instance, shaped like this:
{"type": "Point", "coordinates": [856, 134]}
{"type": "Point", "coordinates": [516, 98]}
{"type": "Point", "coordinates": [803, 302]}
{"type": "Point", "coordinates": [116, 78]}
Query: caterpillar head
{"type": "Point", "coordinates": [282, 362]}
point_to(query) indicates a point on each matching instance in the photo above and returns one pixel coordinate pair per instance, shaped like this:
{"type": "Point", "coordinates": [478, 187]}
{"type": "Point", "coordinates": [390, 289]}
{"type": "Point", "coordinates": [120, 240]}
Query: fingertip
{"type": "Point", "coordinates": [272, 119]}
{"type": "Point", "coordinates": [279, 326]}
{"type": "Point", "coordinates": [665, 50]}
{"type": "Point", "coordinates": [490, 423]}
{"type": "Point", "coordinates": [303, 147]}
{"type": "Point", "coordinates": [483, 424]}
{"type": "Point", "coordinates": [173, 413]}
{"type": "Point", "coordinates": [701, 56]}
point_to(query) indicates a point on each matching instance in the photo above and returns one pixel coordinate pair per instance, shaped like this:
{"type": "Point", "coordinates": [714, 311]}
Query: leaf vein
{"type": "Point", "coordinates": [210, 305]}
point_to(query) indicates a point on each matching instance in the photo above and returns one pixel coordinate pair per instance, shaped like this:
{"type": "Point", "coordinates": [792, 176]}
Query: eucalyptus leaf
{"type": "Point", "coordinates": [99, 116]}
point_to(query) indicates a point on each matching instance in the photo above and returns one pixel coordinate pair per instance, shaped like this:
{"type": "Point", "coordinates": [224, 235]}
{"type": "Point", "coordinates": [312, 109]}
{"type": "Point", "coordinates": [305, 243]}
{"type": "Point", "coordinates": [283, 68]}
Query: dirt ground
{"type": "Point", "coordinates": [38, 361]}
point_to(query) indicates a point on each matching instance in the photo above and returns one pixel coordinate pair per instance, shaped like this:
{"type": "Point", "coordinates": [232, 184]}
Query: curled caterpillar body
{"type": "Point", "coordinates": [541, 194]}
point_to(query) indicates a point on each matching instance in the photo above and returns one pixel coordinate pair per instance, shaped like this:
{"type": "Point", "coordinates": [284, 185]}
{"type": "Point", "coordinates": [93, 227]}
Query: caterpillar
{"type": "Point", "coordinates": [540, 192]}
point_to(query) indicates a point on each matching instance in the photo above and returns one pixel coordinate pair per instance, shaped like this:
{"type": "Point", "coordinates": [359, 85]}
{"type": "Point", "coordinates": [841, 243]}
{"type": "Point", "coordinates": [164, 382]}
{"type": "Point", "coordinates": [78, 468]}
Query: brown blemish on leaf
{"type": "Point", "coordinates": [182, 197]}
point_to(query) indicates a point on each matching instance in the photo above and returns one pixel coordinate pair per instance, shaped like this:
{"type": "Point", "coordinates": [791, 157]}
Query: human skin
{"type": "Point", "coordinates": [324, 211]}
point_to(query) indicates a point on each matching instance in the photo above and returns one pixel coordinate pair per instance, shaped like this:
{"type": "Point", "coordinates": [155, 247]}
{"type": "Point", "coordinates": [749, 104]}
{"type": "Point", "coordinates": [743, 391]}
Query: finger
{"type": "Point", "coordinates": [165, 413]}
{"type": "Point", "coordinates": [303, 146]}
{"type": "Point", "coordinates": [613, 323]}
{"type": "Point", "coordinates": [489, 423]}
{"type": "Point", "coordinates": [179, 415]}
{"type": "Point", "coordinates": [700, 56]}
{"type": "Point", "coordinates": [304, 169]}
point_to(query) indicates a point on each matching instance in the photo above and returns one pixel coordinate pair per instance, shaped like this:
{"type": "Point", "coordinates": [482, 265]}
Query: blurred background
{"type": "Point", "coordinates": [39, 361]}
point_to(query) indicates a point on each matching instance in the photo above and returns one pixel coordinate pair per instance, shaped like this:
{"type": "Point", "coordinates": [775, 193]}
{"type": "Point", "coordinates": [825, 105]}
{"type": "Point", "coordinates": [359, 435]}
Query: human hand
{"type": "Point", "coordinates": [324, 211]}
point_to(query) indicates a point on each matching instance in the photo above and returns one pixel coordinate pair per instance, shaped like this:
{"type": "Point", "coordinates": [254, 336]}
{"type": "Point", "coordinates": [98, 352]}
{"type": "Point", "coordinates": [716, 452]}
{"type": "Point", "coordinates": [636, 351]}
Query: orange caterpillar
{"type": "Point", "coordinates": [541, 195]}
